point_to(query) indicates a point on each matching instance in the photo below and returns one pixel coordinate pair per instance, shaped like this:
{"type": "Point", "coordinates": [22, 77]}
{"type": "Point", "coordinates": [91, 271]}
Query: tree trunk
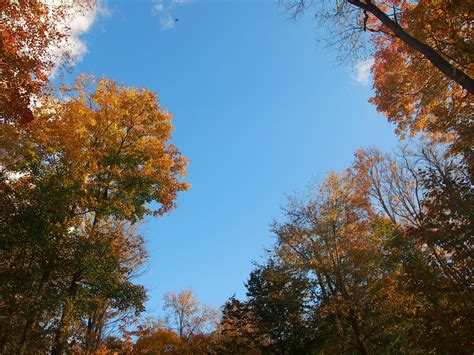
{"type": "Point", "coordinates": [360, 346]}
{"type": "Point", "coordinates": [33, 315]}
{"type": "Point", "coordinates": [61, 336]}
{"type": "Point", "coordinates": [5, 331]}
{"type": "Point", "coordinates": [95, 326]}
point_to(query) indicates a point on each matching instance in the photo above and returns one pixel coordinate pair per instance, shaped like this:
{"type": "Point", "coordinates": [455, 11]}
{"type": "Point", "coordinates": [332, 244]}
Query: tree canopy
{"type": "Point", "coordinates": [377, 258]}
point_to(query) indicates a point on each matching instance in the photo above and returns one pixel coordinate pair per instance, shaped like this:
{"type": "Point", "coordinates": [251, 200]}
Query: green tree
{"type": "Point", "coordinates": [280, 300]}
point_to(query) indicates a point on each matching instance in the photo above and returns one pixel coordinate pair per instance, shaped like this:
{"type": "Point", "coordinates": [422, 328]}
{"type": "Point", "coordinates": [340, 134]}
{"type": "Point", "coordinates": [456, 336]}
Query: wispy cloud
{"type": "Point", "coordinates": [165, 9]}
{"type": "Point", "coordinates": [363, 71]}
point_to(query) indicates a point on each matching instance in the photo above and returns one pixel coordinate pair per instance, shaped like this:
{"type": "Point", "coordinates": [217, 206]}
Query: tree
{"type": "Point", "coordinates": [187, 327]}
{"type": "Point", "coordinates": [378, 260]}
{"type": "Point", "coordinates": [374, 281]}
{"type": "Point", "coordinates": [280, 301]}
{"type": "Point", "coordinates": [113, 344]}
{"type": "Point", "coordinates": [29, 32]}
{"type": "Point", "coordinates": [414, 95]}
{"type": "Point", "coordinates": [330, 236]}
{"type": "Point", "coordinates": [391, 17]}
{"type": "Point", "coordinates": [277, 316]}
{"type": "Point", "coordinates": [422, 60]}
{"type": "Point", "coordinates": [187, 316]}
{"type": "Point", "coordinates": [236, 329]}
{"type": "Point", "coordinates": [73, 185]}
{"type": "Point", "coordinates": [161, 341]}
{"type": "Point", "coordinates": [427, 192]}
{"type": "Point", "coordinates": [427, 197]}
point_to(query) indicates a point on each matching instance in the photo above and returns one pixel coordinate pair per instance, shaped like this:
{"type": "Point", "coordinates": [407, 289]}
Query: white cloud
{"type": "Point", "coordinates": [363, 71]}
{"type": "Point", "coordinates": [77, 21]}
{"type": "Point", "coordinates": [165, 10]}
{"type": "Point", "coordinates": [81, 21]}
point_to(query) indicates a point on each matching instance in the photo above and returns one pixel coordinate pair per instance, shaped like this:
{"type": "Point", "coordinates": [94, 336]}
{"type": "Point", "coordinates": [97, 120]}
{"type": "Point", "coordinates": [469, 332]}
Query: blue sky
{"type": "Point", "coordinates": [260, 110]}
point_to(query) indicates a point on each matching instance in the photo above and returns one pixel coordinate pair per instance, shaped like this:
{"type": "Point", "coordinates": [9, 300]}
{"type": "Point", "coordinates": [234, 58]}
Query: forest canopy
{"type": "Point", "coordinates": [375, 259]}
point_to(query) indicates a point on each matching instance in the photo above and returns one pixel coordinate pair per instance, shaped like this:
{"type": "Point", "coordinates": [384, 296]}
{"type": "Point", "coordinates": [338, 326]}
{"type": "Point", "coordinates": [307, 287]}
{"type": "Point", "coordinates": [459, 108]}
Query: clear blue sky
{"type": "Point", "coordinates": [260, 110]}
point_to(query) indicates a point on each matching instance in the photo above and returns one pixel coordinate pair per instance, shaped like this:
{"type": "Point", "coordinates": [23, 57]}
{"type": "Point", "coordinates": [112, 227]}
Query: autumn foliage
{"type": "Point", "coordinates": [30, 35]}
{"type": "Point", "coordinates": [359, 267]}
{"type": "Point", "coordinates": [95, 160]}
{"type": "Point", "coordinates": [377, 259]}
{"type": "Point", "coordinates": [422, 53]}
{"type": "Point", "coordinates": [412, 92]}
